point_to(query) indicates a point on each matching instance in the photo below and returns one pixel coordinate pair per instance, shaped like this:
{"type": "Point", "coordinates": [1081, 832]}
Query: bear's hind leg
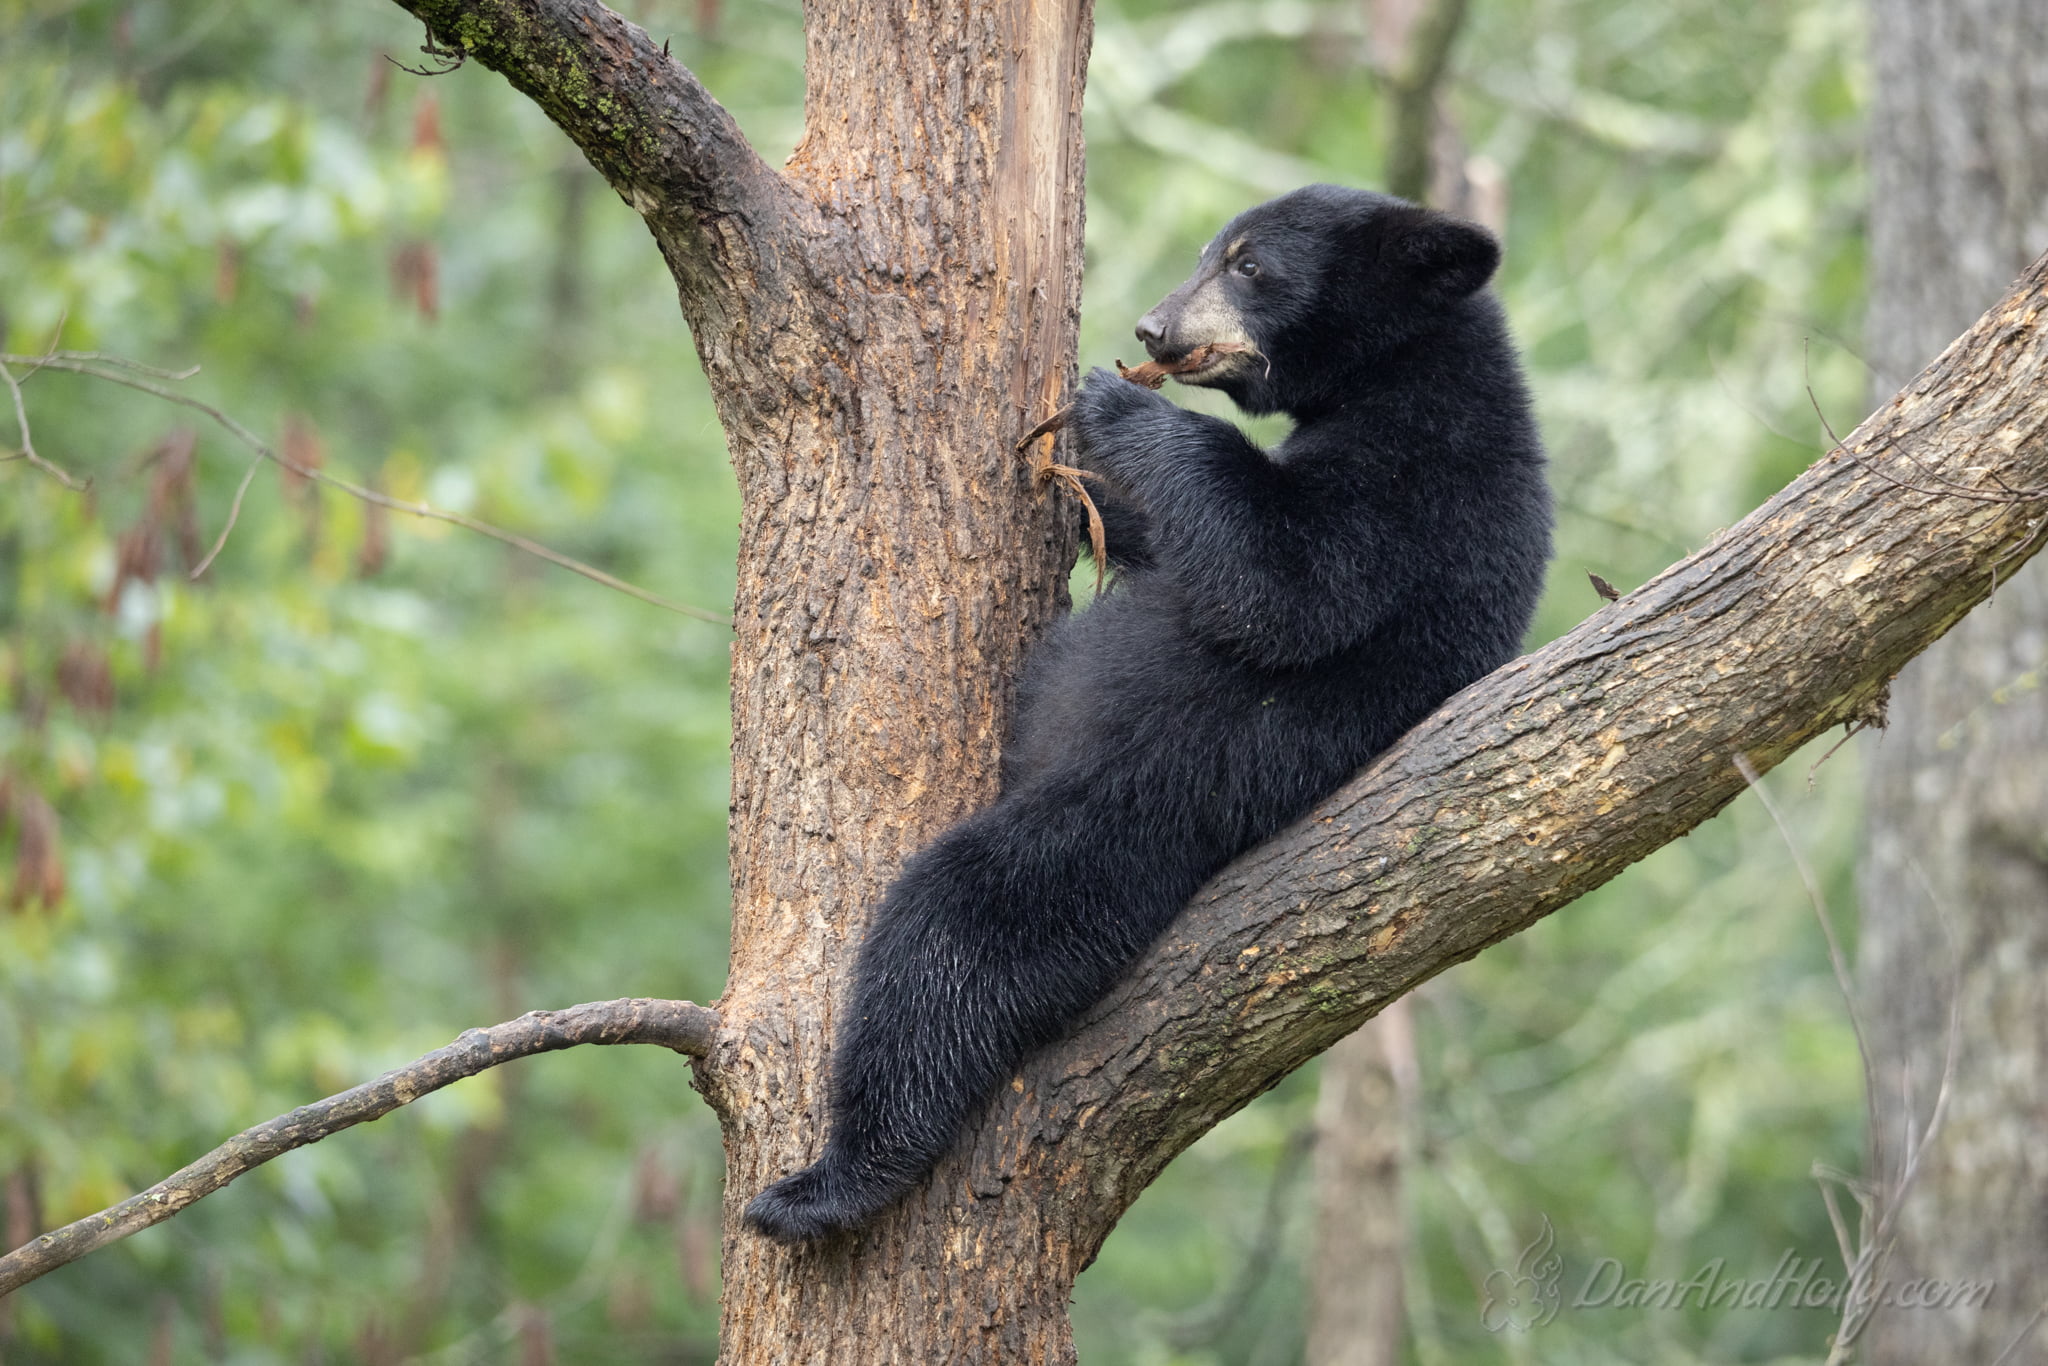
{"type": "Point", "coordinates": [994, 937]}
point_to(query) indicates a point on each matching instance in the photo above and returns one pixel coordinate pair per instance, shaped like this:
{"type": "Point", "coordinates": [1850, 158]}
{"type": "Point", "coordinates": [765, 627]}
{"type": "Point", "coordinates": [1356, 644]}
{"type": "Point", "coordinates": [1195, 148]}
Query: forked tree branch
{"type": "Point", "coordinates": [686, 1028]}
{"type": "Point", "coordinates": [1544, 780]}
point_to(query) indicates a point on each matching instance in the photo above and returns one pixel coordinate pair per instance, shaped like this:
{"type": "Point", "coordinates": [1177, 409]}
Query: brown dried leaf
{"type": "Point", "coordinates": [1151, 374]}
{"type": "Point", "coordinates": [86, 679]}
{"type": "Point", "coordinates": [657, 1192]}
{"type": "Point", "coordinates": [304, 453]}
{"type": "Point", "coordinates": [172, 500]}
{"type": "Point", "coordinates": [227, 270]}
{"type": "Point", "coordinates": [375, 549]}
{"type": "Point", "coordinates": [415, 273]}
{"type": "Point", "coordinates": [696, 1249]}
{"type": "Point", "coordinates": [1154, 373]}
{"type": "Point", "coordinates": [38, 863]}
{"type": "Point", "coordinates": [379, 86]}
{"type": "Point", "coordinates": [136, 554]}
{"type": "Point", "coordinates": [426, 125]}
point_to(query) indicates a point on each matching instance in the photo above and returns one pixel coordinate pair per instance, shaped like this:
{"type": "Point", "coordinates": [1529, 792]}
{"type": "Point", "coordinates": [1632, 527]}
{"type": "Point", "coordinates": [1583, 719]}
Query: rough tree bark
{"type": "Point", "coordinates": [1956, 868]}
{"type": "Point", "coordinates": [876, 321]}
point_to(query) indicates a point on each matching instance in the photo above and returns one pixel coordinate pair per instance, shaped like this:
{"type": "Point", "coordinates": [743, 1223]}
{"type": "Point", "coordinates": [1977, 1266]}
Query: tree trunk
{"type": "Point", "coordinates": [876, 322]}
{"type": "Point", "coordinates": [1955, 879]}
{"type": "Point", "coordinates": [894, 562]}
{"type": "Point", "coordinates": [1357, 1286]}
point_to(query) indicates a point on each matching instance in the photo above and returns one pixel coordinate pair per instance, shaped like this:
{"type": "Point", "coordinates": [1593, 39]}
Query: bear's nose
{"type": "Point", "coordinates": [1152, 332]}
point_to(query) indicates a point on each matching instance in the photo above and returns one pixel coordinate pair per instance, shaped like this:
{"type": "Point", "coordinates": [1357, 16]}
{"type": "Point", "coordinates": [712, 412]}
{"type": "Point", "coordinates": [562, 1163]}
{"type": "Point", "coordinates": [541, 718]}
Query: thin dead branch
{"type": "Point", "coordinates": [1865, 1251]}
{"type": "Point", "coordinates": [1939, 486]}
{"type": "Point", "coordinates": [234, 515]}
{"type": "Point", "coordinates": [443, 59]}
{"type": "Point", "coordinates": [134, 375]}
{"type": "Point", "coordinates": [28, 442]}
{"type": "Point", "coordinates": [679, 1025]}
{"type": "Point", "coordinates": [2019, 1340]}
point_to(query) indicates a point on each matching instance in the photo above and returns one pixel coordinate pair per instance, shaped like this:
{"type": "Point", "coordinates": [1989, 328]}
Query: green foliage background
{"type": "Point", "coordinates": [364, 786]}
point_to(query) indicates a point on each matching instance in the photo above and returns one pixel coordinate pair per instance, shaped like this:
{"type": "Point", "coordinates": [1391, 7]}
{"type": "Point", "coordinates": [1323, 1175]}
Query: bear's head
{"type": "Point", "coordinates": [1319, 284]}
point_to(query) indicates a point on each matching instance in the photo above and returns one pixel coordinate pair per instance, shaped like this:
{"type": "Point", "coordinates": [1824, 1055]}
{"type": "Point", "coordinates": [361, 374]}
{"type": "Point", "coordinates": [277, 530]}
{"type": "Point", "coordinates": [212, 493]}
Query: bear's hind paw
{"type": "Point", "coordinates": [803, 1208]}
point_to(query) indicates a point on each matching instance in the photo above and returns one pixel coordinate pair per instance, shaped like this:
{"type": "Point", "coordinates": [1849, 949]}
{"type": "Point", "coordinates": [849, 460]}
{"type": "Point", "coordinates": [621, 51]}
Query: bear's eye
{"type": "Point", "coordinates": [1248, 267]}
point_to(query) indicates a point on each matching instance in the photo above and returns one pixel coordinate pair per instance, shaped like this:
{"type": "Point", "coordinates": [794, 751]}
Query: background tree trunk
{"type": "Point", "coordinates": [1958, 795]}
{"type": "Point", "coordinates": [1357, 1294]}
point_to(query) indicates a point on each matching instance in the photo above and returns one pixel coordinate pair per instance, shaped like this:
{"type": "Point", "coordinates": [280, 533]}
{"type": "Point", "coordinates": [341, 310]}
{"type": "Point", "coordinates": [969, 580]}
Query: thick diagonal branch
{"type": "Point", "coordinates": [679, 1025]}
{"type": "Point", "coordinates": [1546, 779]}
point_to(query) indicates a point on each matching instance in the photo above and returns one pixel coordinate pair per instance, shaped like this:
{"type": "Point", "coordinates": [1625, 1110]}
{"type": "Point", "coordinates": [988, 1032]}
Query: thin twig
{"type": "Point", "coordinates": [1836, 960]}
{"type": "Point", "coordinates": [686, 1028]}
{"type": "Point", "coordinates": [91, 364]}
{"type": "Point", "coordinates": [56, 339]}
{"type": "Point", "coordinates": [109, 359]}
{"type": "Point", "coordinates": [1150, 374]}
{"type": "Point", "coordinates": [2006, 493]}
{"type": "Point", "coordinates": [1873, 714]}
{"type": "Point", "coordinates": [28, 443]}
{"type": "Point", "coordinates": [234, 515]}
{"type": "Point", "coordinates": [1205, 1324]}
{"type": "Point", "coordinates": [1864, 1256]}
{"type": "Point", "coordinates": [2025, 1332]}
{"type": "Point", "coordinates": [1860, 1262]}
{"type": "Point", "coordinates": [2007, 498]}
{"type": "Point", "coordinates": [1849, 732]}
{"type": "Point", "coordinates": [448, 59]}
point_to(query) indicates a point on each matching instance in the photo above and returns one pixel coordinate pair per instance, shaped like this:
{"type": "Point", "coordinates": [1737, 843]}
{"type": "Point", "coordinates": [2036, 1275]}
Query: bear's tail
{"type": "Point", "coordinates": [996, 936]}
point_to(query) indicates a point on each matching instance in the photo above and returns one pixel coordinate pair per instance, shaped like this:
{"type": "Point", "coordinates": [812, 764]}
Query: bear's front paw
{"type": "Point", "coordinates": [1104, 411]}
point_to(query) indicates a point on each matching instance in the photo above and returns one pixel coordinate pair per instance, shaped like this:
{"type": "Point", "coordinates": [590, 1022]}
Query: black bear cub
{"type": "Point", "coordinates": [1278, 618]}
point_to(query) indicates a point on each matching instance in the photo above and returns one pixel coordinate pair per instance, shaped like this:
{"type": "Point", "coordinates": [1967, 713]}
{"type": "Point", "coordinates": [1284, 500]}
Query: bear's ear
{"type": "Point", "coordinates": [1448, 257]}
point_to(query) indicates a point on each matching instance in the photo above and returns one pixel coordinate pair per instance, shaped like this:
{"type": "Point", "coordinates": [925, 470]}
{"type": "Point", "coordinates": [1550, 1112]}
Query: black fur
{"type": "Point", "coordinates": [1278, 619]}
